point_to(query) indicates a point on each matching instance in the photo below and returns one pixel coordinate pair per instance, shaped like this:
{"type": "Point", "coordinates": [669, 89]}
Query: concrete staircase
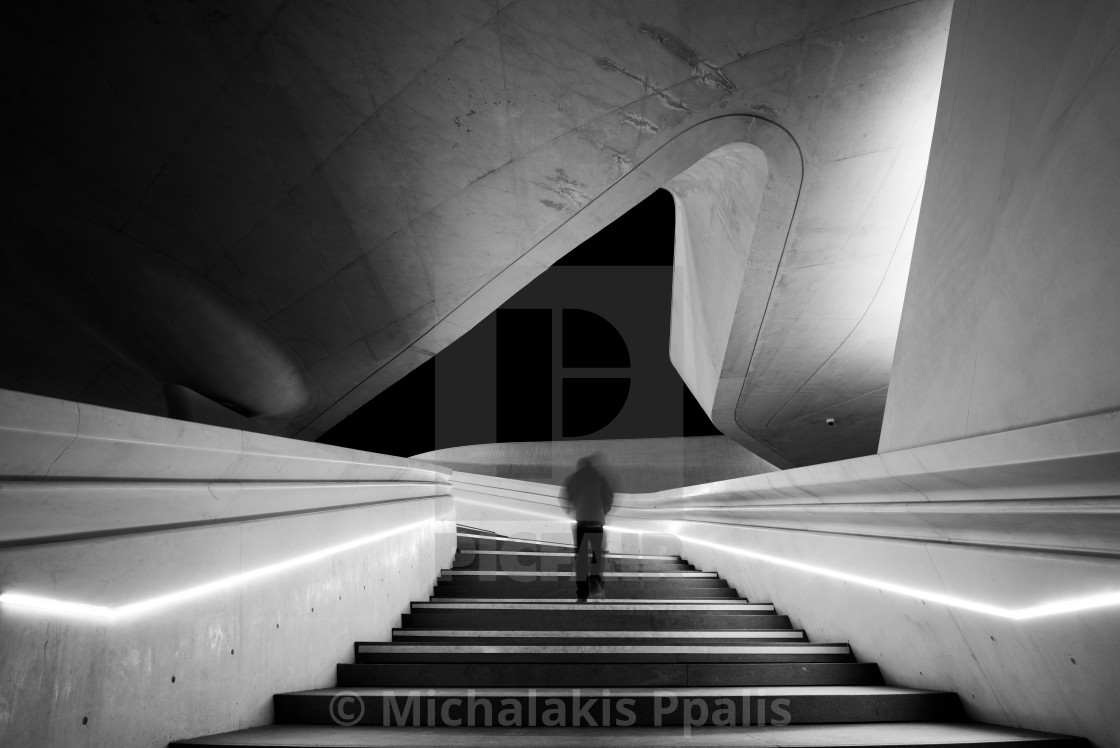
{"type": "Point", "coordinates": [502, 654]}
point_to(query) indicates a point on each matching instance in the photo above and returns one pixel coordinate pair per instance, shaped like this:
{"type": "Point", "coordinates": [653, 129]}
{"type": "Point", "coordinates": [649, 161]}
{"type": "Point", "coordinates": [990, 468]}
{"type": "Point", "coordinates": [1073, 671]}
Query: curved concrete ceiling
{"type": "Point", "coordinates": [368, 180]}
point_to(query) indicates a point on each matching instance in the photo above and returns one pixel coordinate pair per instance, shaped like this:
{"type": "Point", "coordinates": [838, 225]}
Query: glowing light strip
{"type": "Point", "coordinates": [63, 607]}
{"type": "Point", "coordinates": [1069, 605]}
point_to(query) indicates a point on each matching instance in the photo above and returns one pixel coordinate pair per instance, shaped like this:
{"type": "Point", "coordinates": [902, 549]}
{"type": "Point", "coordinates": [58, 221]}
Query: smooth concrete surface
{"type": "Point", "coordinates": [79, 682]}
{"type": "Point", "coordinates": [717, 201]}
{"type": "Point", "coordinates": [71, 470]}
{"type": "Point", "coordinates": [157, 318]}
{"type": "Point", "coordinates": [367, 181]}
{"type": "Point", "coordinates": [1045, 488]}
{"type": "Point", "coordinates": [1011, 315]}
{"type": "Point", "coordinates": [631, 465]}
{"type": "Point", "coordinates": [930, 735]}
{"type": "Point", "coordinates": [109, 509]}
{"type": "Point", "coordinates": [1053, 674]}
{"type": "Point", "coordinates": [43, 437]}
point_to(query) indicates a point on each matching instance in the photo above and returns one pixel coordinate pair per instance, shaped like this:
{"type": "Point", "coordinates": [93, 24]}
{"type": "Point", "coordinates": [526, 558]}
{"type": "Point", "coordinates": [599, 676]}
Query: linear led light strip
{"type": "Point", "coordinates": [143, 606]}
{"type": "Point", "coordinates": [1069, 605]}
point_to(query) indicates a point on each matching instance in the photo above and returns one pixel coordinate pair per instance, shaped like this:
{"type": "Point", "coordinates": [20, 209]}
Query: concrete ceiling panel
{"type": "Point", "coordinates": [566, 65]}
{"type": "Point", "coordinates": [279, 259]}
{"type": "Point", "coordinates": [317, 325]}
{"type": "Point", "coordinates": [449, 128]}
{"type": "Point", "coordinates": [396, 41]}
{"type": "Point", "coordinates": [387, 283]}
{"type": "Point", "coordinates": [385, 174]}
{"type": "Point", "coordinates": [354, 200]}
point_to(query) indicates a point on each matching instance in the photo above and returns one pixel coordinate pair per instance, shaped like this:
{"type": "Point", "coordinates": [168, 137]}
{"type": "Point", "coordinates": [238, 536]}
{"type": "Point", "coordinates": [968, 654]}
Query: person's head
{"type": "Point", "coordinates": [590, 460]}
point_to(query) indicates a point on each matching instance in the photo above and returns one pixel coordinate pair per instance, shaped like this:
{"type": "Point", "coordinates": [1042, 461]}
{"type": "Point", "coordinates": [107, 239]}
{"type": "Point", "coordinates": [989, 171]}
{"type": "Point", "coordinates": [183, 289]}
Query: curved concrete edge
{"type": "Point", "coordinates": [717, 203]}
{"type": "Point", "coordinates": [674, 157]}
{"type": "Point", "coordinates": [1079, 457]}
{"type": "Point", "coordinates": [631, 465]}
{"type": "Point", "coordinates": [37, 512]}
{"type": "Point", "coordinates": [43, 437]}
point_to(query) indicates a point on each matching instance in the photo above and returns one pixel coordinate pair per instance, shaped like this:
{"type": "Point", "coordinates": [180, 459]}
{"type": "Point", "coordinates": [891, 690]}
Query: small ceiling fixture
{"type": "Point", "coordinates": [830, 421]}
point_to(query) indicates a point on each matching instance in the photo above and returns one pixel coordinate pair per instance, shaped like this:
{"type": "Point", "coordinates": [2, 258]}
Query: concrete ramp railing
{"type": "Point", "coordinates": [160, 578]}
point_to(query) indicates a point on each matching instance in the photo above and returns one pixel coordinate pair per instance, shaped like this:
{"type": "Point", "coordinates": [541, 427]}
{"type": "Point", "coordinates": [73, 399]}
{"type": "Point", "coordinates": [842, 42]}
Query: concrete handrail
{"type": "Point", "coordinates": [70, 470]}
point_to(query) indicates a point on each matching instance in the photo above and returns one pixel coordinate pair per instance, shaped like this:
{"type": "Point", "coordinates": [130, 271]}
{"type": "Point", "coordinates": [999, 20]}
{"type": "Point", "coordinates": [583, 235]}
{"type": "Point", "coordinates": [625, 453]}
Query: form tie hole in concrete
{"type": "Point", "coordinates": [231, 651]}
{"type": "Point", "coordinates": [172, 678]}
{"type": "Point", "coordinates": [1073, 660]}
{"type": "Point", "coordinates": [830, 421]}
{"type": "Point", "coordinates": [277, 625]}
{"type": "Point", "coordinates": [85, 720]}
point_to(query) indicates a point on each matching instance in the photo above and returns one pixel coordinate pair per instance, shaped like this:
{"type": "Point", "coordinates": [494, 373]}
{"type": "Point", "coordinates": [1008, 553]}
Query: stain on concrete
{"type": "Point", "coordinates": [704, 72]}
{"type": "Point", "coordinates": [765, 108]}
{"type": "Point", "coordinates": [613, 67]}
{"type": "Point", "coordinates": [571, 189]}
{"type": "Point", "coordinates": [671, 101]}
{"type": "Point", "coordinates": [664, 97]}
{"type": "Point", "coordinates": [638, 122]}
{"type": "Point", "coordinates": [621, 161]}
{"type": "Point", "coordinates": [553, 204]}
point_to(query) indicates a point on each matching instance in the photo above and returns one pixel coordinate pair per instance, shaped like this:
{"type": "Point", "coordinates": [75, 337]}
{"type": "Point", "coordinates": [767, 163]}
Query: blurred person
{"type": "Point", "coordinates": [589, 497]}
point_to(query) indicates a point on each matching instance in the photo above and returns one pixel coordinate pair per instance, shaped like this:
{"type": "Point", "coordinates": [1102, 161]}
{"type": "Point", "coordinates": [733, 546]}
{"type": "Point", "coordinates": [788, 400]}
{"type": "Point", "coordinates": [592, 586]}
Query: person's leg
{"type": "Point", "coordinates": [595, 577]}
{"type": "Point", "coordinates": [582, 538]}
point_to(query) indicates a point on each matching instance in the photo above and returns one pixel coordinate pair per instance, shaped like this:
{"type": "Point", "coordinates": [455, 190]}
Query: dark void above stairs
{"type": "Point", "coordinates": [502, 654]}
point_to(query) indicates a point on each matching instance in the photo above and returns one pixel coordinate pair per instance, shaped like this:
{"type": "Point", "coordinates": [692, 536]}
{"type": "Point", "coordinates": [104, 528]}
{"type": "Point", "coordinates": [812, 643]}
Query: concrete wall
{"type": "Point", "coordinates": [717, 203]}
{"type": "Point", "coordinates": [110, 508]}
{"type": "Point", "coordinates": [1011, 520]}
{"type": "Point", "coordinates": [1056, 674]}
{"type": "Point", "coordinates": [632, 465]}
{"type": "Point", "coordinates": [1011, 315]}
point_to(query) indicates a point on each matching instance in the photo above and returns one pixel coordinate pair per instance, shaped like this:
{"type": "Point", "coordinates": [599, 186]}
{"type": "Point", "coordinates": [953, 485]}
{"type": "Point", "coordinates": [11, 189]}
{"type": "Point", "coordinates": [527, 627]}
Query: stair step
{"type": "Point", "coordinates": [407, 635]}
{"type": "Point", "coordinates": [529, 603]}
{"type": "Point", "coordinates": [604, 706]}
{"type": "Point", "coordinates": [665, 583]}
{"type": "Point", "coordinates": [529, 554]}
{"type": "Point", "coordinates": [917, 734]}
{"type": "Point", "coordinates": [594, 619]}
{"type": "Point", "coordinates": [564, 618]}
{"type": "Point", "coordinates": [769, 651]}
{"type": "Point", "coordinates": [531, 563]}
{"type": "Point", "coordinates": [566, 575]}
{"type": "Point", "coordinates": [608, 675]}
{"type": "Point", "coordinates": [685, 637]}
{"type": "Point", "coordinates": [623, 591]}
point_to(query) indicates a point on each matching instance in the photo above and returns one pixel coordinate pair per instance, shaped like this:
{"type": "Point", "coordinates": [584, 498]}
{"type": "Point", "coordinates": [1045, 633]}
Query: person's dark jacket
{"type": "Point", "coordinates": [588, 494]}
